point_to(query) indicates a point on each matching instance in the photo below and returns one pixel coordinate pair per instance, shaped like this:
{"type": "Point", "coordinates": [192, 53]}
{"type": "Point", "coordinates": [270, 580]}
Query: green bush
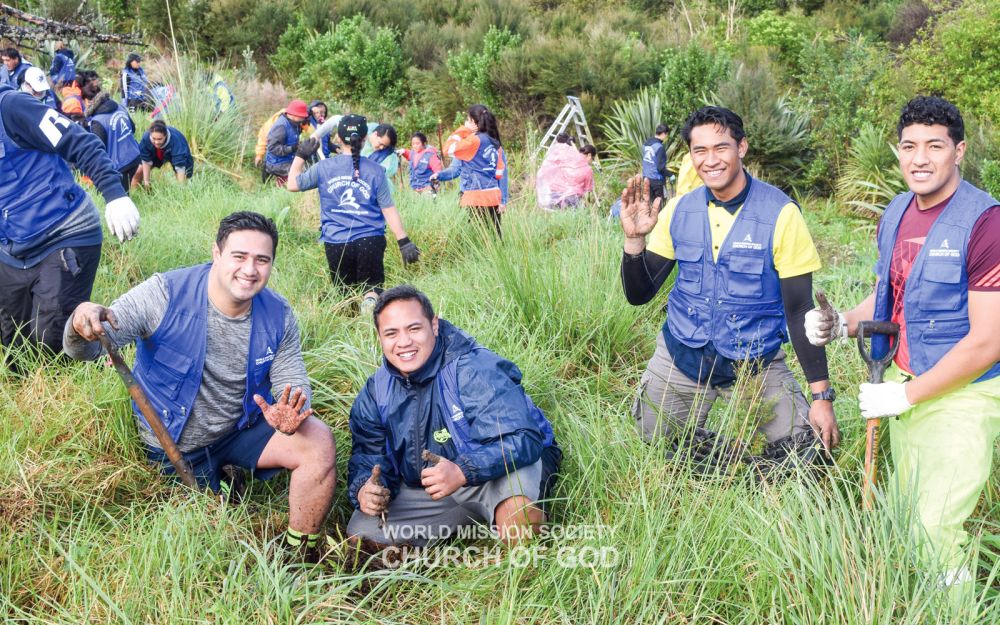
{"type": "Point", "coordinates": [990, 177]}
{"type": "Point", "coordinates": [629, 124]}
{"type": "Point", "coordinates": [471, 69]}
{"type": "Point", "coordinates": [781, 32]}
{"type": "Point", "coordinates": [960, 58]}
{"type": "Point", "coordinates": [777, 133]}
{"type": "Point", "coordinates": [688, 75]}
{"type": "Point", "coordinates": [871, 176]}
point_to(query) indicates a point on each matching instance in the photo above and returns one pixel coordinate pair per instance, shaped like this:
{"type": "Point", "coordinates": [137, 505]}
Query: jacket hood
{"type": "Point", "coordinates": [451, 344]}
{"type": "Point", "coordinates": [102, 103]}
{"type": "Point", "coordinates": [66, 52]}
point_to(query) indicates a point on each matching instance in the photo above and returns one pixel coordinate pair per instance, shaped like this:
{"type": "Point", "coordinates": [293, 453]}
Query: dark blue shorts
{"type": "Point", "coordinates": [241, 448]}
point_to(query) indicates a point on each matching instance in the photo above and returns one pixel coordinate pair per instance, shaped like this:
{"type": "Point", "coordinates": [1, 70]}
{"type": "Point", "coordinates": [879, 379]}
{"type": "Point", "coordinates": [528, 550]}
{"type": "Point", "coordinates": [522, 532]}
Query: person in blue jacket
{"type": "Point", "coordinates": [495, 455]}
{"type": "Point", "coordinates": [12, 72]}
{"type": "Point", "coordinates": [62, 71]}
{"type": "Point", "coordinates": [164, 144]}
{"type": "Point", "coordinates": [654, 161]}
{"type": "Point", "coordinates": [50, 236]}
{"type": "Point", "coordinates": [35, 85]}
{"type": "Point", "coordinates": [318, 112]}
{"type": "Point", "coordinates": [111, 122]}
{"type": "Point", "coordinates": [355, 204]}
{"type": "Point", "coordinates": [135, 85]}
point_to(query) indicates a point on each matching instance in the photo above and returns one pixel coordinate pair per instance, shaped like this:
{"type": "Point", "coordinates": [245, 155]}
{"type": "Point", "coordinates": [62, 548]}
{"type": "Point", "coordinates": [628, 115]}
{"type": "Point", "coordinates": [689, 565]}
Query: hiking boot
{"type": "Point", "coordinates": [708, 452]}
{"type": "Point", "coordinates": [779, 459]}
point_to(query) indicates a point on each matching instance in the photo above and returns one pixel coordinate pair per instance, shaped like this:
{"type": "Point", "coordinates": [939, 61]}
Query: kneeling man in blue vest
{"type": "Point", "coordinates": [456, 440]}
{"type": "Point", "coordinates": [213, 349]}
{"type": "Point", "coordinates": [745, 261]}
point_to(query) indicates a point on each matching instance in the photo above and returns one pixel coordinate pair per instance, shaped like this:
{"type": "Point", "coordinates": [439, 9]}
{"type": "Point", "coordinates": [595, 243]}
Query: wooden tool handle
{"type": "Point", "coordinates": [871, 463]}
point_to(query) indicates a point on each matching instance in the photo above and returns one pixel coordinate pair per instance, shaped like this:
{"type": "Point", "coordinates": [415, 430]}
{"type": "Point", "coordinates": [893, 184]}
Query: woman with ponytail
{"type": "Point", "coordinates": [476, 146]}
{"type": "Point", "coordinates": [355, 206]}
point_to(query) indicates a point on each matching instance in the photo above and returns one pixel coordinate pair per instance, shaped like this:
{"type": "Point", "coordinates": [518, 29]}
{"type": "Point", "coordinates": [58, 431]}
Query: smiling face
{"type": "Point", "coordinates": [929, 160]}
{"type": "Point", "coordinates": [158, 139]}
{"type": "Point", "coordinates": [406, 334]}
{"type": "Point", "coordinates": [240, 270]}
{"type": "Point", "coordinates": [718, 159]}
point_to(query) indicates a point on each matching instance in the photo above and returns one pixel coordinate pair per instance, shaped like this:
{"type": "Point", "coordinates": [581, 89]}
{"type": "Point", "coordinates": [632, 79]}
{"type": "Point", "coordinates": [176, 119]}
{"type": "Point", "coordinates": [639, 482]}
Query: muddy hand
{"type": "Point", "coordinates": [431, 457]}
{"type": "Point", "coordinates": [373, 497]}
{"type": "Point", "coordinates": [287, 414]}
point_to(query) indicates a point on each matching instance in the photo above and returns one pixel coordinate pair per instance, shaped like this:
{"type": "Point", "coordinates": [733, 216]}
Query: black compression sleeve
{"type": "Point", "coordinates": [643, 275]}
{"type": "Point", "coordinates": [796, 293]}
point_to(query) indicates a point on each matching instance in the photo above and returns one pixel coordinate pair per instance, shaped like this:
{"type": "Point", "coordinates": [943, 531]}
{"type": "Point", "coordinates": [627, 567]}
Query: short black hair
{"type": "Point", "coordinates": [564, 137]}
{"type": "Point", "coordinates": [11, 53]}
{"type": "Point", "coordinates": [84, 76]}
{"type": "Point", "coordinates": [421, 136]}
{"type": "Point", "coordinates": [158, 126]}
{"type": "Point", "coordinates": [662, 129]}
{"type": "Point", "coordinates": [403, 292]}
{"type": "Point", "coordinates": [383, 130]}
{"type": "Point", "coordinates": [247, 220]}
{"type": "Point", "coordinates": [588, 149]}
{"type": "Point", "coordinates": [716, 116]}
{"type": "Point", "coordinates": [932, 111]}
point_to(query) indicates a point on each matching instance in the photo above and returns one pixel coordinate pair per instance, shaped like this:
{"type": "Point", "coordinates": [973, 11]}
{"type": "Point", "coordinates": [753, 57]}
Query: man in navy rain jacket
{"type": "Point", "coordinates": [439, 391]}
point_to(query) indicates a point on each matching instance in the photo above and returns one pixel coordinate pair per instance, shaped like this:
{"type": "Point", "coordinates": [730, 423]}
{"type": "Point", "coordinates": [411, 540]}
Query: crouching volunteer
{"type": "Point", "coordinates": [938, 277]}
{"type": "Point", "coordinates": [438, 390]}
{"type": "Point", "coordinates": [50, 236]}
{"type": "Point", "coordinates": [355, 205]}
{"type": "Point", "coordinates": [164, 144]}
{"type": "Point", "coordinates": [112, 124]}
{"type": "Point", "coordinates": [283, 141]}
{"type": "Point", "coordinates": [745, 261]}
{"type": "Point", "coordinates": [212, 345]}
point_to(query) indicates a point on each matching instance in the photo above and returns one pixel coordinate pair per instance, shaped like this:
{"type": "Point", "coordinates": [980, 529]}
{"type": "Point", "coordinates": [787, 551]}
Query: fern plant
{"type": "Point", "coordinates": [629, 124]}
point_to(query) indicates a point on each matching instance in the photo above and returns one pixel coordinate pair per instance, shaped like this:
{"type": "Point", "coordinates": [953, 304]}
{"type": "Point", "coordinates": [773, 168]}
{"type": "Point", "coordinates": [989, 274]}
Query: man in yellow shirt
{"type": "Point", "coordinates": [744, 283]}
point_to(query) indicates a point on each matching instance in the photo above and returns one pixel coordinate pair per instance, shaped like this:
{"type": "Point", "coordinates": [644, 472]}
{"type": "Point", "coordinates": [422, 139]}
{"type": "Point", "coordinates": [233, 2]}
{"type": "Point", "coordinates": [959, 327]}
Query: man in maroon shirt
{"type": "Point", "coordinates": [938, 277]}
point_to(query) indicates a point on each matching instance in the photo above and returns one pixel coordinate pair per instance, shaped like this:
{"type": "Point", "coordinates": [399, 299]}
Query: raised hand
{"type": "Point", "coordinates": [287, 414]}
{"type": "Point", "coordinates": [824, 324]}
{"type": "Point", "coordinates": [638, 214]}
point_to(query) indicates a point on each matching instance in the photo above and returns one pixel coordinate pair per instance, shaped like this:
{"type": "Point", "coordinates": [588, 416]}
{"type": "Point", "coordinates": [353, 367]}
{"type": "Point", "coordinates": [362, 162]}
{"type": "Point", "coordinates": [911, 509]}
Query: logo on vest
{"type": "Point", "coordinates": [747, 244]}
{"type": "Point", "coordinates": [456, 413]}
{"type": "Point", "coordinates": [267, 357]}
{"type": "Point", "coordinates": [442, 436]}
{"type": "Point", "coordinates": [943, 251]}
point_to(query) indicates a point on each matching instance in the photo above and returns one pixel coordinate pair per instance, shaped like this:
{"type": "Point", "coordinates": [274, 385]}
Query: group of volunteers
{"type": "Point", "coordinates": [82, 99]}
{"type": "Point", "coordinates": [745, 262]}
{"type": "Point", "coordinates": [443, 433]}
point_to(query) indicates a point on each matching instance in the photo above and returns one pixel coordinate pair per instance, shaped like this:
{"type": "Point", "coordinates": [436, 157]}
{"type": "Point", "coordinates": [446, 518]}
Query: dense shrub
{"type": "Point", "coordinates": [471, 70]}
{"type": "Point", "coordinates": [990, 177]}
{"type": "Point", "coordinates": [871, 176]}
{"type": "Point", "coordinates": [629, 124]}
{"type": "Point", "coordinates": [689, 74]}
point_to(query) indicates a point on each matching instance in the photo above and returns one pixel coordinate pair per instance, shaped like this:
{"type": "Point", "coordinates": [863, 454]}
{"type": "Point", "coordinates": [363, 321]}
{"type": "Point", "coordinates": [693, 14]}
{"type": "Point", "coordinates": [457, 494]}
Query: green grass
{"type": "Point", "coordinates": [88, 533]}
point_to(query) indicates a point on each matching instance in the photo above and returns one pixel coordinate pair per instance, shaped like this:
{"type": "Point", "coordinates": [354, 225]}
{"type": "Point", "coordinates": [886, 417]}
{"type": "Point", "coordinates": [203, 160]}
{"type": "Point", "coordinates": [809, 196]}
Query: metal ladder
{"type": "Point", "coordinates": [572, 113]}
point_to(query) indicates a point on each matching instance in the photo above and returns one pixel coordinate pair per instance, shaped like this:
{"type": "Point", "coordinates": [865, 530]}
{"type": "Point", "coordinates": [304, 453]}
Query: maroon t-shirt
{"type": "Point", "coordinates": [982, 259]}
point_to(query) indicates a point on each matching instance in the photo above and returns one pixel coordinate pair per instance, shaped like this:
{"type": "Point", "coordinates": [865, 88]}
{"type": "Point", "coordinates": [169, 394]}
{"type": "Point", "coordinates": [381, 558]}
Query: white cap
{"type": "Point", "coordinates": [35, 78]}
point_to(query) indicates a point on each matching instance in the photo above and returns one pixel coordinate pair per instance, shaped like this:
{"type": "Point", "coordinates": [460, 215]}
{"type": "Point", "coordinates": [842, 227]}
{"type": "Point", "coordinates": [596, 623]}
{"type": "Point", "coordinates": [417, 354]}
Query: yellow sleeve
{"type": "Point", "coordinates": [659, 239]}
{"type": "Point", "coordinates": [687, 177]}
{"type": "Point", "coordinates": [794, 251]}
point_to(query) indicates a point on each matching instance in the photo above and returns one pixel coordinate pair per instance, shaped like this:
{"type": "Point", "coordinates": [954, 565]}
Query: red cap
{"type": "Point", "coordinates": [297, 108]}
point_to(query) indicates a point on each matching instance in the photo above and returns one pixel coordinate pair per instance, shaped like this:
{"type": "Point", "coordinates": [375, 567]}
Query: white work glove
{"type": "Point", "coordinates": [883, 400]}
{"type": "Point", "coordinates": [122, 217]}
{"type": "Point", "coordinates": [824, 324]}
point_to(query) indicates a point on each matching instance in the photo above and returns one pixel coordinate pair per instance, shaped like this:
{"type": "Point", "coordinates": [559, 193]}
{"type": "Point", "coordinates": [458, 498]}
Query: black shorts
{"type": "Point", "coordinates": [357, 263]}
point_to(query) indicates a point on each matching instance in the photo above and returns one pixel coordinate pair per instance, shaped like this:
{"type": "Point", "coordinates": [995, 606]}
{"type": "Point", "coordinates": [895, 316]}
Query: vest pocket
{"type": "Point", "coordinates": [689, 266]}
{"type": "Point", "coordinates": [940, 286]}
{"type": "Point", "coordinates": [744, 279]}
{"type": "Point", "coordinates": [171, 370]}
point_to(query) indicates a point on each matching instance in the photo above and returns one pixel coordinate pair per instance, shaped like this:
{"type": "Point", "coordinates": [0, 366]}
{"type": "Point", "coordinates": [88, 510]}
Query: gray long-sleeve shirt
{"type": "Point", "coordinates": [219, 403]}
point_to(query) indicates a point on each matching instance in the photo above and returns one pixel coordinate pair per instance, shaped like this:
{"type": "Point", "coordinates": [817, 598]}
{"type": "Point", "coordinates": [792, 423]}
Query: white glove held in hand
{"type": "Point", "coordinates": [883, 400]}
{"type": "Point", "coordinates": [823, 328]}
{"type": "Point", "coordinates": [122, 217]}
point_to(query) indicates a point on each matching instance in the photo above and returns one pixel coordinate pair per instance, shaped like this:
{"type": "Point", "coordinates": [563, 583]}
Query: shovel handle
{"type": "Point", "coordinates": [147, 410]}
{"type": "Point", "coordinates": [877, 366]}
{"type": "Point", "coordinates": [871, 463]}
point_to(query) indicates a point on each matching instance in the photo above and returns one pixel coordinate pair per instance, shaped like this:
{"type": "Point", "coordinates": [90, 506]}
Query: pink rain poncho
{"type": "Point", "coordinates": [564, 177]}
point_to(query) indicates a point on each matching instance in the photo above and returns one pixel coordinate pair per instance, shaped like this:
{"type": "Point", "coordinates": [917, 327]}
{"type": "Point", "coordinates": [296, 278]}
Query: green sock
{"type": "Point", "coordinates": [294, 538]}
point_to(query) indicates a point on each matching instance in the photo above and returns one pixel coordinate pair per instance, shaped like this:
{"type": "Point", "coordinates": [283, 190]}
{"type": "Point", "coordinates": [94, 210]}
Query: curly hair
{"type": "Point", "coordinates": [932, 111]}
{"type": "Point", "coordinates": [717, 116]}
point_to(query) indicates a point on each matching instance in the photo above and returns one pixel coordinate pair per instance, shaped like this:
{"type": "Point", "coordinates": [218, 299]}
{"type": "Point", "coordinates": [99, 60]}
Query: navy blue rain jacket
{"type": "Point", "coordinates": [494, 405]}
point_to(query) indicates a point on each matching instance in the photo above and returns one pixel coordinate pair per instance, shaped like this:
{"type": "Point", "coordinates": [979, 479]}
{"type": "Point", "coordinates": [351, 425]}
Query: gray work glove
{"type": "Point", "coordinates": [307, 147]}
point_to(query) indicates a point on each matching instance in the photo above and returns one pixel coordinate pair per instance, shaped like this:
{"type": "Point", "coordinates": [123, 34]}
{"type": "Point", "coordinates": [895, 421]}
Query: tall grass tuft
{"type": "Point", "coordinates": [871, 177]}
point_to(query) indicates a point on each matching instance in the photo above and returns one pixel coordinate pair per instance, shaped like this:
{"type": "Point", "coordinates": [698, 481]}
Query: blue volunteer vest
{"type": "Point", "coordinates": [67, 71]}
{"type": "Point", "coordinates": [650, 152]}
{"type": "Point", "coordinates": [348, 207]}
{"type": "Point", "coordinates": [448, 401]}
{"type": "Point", "coordinates": [736, 302]}
{"type": "Point", "coordinates": [37, 189]}
{"type": "Point", "coordinates": [49, 100]}
{"type": "Point", "coordinates": [169, 364]}
{"type": "Point", "coordinates": [120, 143]}
{"type": "Point", "coordinates": [291, 138]}
{"type": "Point", "coordinates": [324, 143]}
{"type": "Point", "coordinates": [138, 86]}
{"type": "Point", "coordinates": [480, 172]}
{"type": "Point", "coordinates": [377, 156]}
{"type": "Point", "coordinates": [420, 171]}
{"type": "Point", "coordinates": [936, 302]}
